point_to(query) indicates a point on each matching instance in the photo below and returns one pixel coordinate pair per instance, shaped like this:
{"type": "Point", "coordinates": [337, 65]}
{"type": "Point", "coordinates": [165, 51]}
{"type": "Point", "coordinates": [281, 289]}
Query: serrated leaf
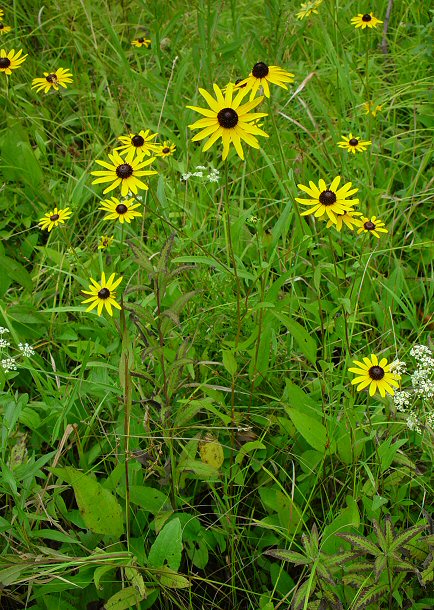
{"type": "Point", "coordinates": [362, 543]}
{"type": "Point", "coordinates": [406, 536]}
{"type": "Point", "coordinates": [369, 596]}
{"type": "Point", "coordinates": [292, 556]}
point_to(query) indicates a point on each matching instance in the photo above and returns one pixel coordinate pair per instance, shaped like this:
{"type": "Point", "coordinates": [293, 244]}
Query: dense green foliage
{"type": "Point", "coordinates": [204, 447]}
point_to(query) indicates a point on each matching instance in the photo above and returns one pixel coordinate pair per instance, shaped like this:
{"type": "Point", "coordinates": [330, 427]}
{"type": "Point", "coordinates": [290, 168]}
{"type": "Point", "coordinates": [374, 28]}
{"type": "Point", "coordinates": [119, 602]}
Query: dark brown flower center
{"type": "Point", "coordinates": [376, 373]}
{"type": "Point", "coordinates": [104, 293]}
{"type": "Point", "coordinates": [137, 141]}
{"type": "Point", "coordinates": [227, 117]}
{"type": "Point", "coordinates": [166, 150]}
{"type": "Point", "coordinates": [366, 17]}
{"type": "Point", "coordinates": [124, 171]}
{"type": "Point", "coordinates": [54, 217]}
{"type": "Point", "coordinates": [5, 62]}
{"type": "Point", "coordinates": [260, 70]}
{"type": "Point", "coordinates": [369, 226]}
{"type": "Point", "coordinates": [140, 40]}
{"type": "Point", "coordinates": [353, 142]}
{"type": "Point", "coordinates": [1, 26]}
{"type": "Point", "coordinates": [51, 78]}
{"type": "Point", "coordinates": [121, 208]}
{"type": "Point", "coordinates": [327, 197]}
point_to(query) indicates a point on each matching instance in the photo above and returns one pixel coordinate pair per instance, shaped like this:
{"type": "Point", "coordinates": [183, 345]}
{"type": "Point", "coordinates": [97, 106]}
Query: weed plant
{"type": "Point", "coordinates": [217, 379]}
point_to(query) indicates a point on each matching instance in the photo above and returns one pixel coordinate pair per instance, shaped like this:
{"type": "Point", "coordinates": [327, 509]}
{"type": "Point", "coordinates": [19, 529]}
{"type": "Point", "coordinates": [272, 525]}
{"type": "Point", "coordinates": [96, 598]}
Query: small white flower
{"type": "Point", "coordinates": [200, 167]}
{"type": "Point", "coordinates": [3, 330]}
{"type": "Point", "coordinates": [186, 176]}
{"type": "Point", "coordinates": [4, 343]}
{"type": "Point", "coordinates": [8, 364]}
{"type": "Point", "coordinates": [423, 355]}
{"type": "Point", "coordinates": [402, 400]}
{"type": "Point", "coordinates": [26, 349]}
{"type": "Point", "coordinates": [413, 424]}
{"type": "Point", "coordinates": [197, 174]}
{"type": "Point", "coordinates": [398, 367]}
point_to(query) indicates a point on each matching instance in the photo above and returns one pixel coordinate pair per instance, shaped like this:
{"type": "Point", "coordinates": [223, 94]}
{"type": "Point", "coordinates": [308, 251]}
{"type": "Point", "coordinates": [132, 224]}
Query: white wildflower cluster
{"type": "Point", "coordinates": [398, 367]}
{"type": "Point", "coordinates": [213, 174]}
{"type": "Point", "coordinates": [8, 363]}
{"type": "Point", "coordinates": [418, 415]}
{"type": "Point", "coordinates": [26, 349]}
{"type": "Point", "coordinates": [423, 356]}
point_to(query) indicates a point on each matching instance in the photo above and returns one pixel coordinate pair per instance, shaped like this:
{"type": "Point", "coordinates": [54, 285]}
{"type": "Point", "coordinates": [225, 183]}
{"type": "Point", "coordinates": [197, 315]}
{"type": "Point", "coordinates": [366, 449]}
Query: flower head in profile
{"type": "Point", "coordinates": [261, 75]}
{"type": "Point", "coordinates": [105, 242]}
{"type": "Point", "coordinates": [61, 77]}
{"type": "Point", "coordinates": [328, 200]}
{"type": "Point", "coordinates": [365, 21]}
{"type": "Point", "coordinates": [308, 8]}
{"type": "Point", "coordinates": [372, 225]}
{"type": "Point", "coordinates": [348, 218]}
{"type": "Point", "coordinates": [372, 108]}
{"type": "Point", "coordinates": [11, 61]}
{"type": "Point", "coordinates": [375, 375]}
{"type": "Point", "coordinates": [353, 144]}
{"type": "Point", "coordinates": [54, 218]}
{"type": "Point", "coordinates": [123, 211]}
{"type": "Point", "coordinates": [103, 294]}
{"type": "Point", "coordinates": [138, 145]}
{"type": "Point", "coordinates": [4, 29]}
{"type": "Point", "coordinates": [124, 174]}
{"type": "Point", "coordinates": [141, 42]}
{"type": "Point", "coordinates": [166, 149]}
{"type": "Point", "coordinates": [229, 120]}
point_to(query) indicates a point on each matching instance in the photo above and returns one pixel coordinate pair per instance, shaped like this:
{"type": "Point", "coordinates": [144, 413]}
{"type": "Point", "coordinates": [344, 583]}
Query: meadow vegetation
{"type": "Point", "coordinates": [217, 372]}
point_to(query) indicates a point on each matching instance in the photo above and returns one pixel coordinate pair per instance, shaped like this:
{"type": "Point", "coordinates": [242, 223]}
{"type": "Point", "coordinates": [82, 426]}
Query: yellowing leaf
{"type": "Point", "coordinates": [211, 452]}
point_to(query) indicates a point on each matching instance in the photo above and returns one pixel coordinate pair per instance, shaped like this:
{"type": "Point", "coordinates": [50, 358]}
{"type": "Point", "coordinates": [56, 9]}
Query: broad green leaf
{"type": "Point", "coordinates": [311, 430]}
{"type": "Point", "coordinates": [16, 272]}
{"type": "Point", "coordinates": [100, 510]}
{"type": "Point", "coordinates": [304, 340]}
{"type": "Point", "coordinates": [172, 580]}
{"type": "Point", "coordinates": [147, 498]}
{"type": "Point", "coordinates": [167, 548]}
{"type": "Point", "coordinates": [229, 361]}
{"type": "Point", "coordinates": [122, 600]}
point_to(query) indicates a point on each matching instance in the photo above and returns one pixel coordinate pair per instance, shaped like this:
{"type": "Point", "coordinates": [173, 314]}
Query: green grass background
{"type": "Point", "coordinates": [211, 339]}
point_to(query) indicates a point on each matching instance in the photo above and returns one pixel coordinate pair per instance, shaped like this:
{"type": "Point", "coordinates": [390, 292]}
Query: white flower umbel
{"type": "Point", "coordinates": [398, 367]}
{"type": "Point", "coordinates": [423, 356]}
{"type": "Point", "coordinates": [3, 330]}
{"type": "Point", "coordinates": [8, 364]}
{"type": "Point", "coordinates": [4, 343]}
{"type": "Point", "coordinates": [402, 400]}
{"type": "Point", "coordinates": [413, 424]}
{"type": "Point", "coordinates": [26, 349]}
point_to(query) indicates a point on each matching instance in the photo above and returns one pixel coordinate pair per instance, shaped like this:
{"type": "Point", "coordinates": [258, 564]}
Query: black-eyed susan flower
{"type": "Point", "coordinates": [376, 375]}
{"type": "Point", "coordinates": [372, 225]}
{"type": "Point", "coordinates": [105, 242]}
{"type": "Point", "coordinates": [141, 42]}
{"type": "Point", "coordinates": [365, 21]}
{"type": "Point", "coordinates": [261, 75]}
{"type": "Point", "coordinates": [124, 211]}
{"type": "Point", "coordinates": [127, 175]}
{"type": "Point", "coordinates": [54, 218]}
{"type": "Point", "coordinates": [138, 145]}
{"type": "Point", "coordinates": [328, 200]}
{"type": "Point", "coordinates": [103, 294]}
{"type": "Point", "coordinates": [228, 120]}
{"type": "Point", "coordinates": [11, 61]}
{"type": "Point", "coordinates": [353, 144]}
{"type": "Point", "coordinates": [372, 108]}
{"type": "Point", "coordinates": [348, 218]}
{"type": "Point", "coordinates": [4, 29]}
{"type": "Point", "coordinates": [61, 77]}
{"type": "Point", "coordinates": [167, 149]}
{"type": "Point", "coordinates": [308, 8]}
